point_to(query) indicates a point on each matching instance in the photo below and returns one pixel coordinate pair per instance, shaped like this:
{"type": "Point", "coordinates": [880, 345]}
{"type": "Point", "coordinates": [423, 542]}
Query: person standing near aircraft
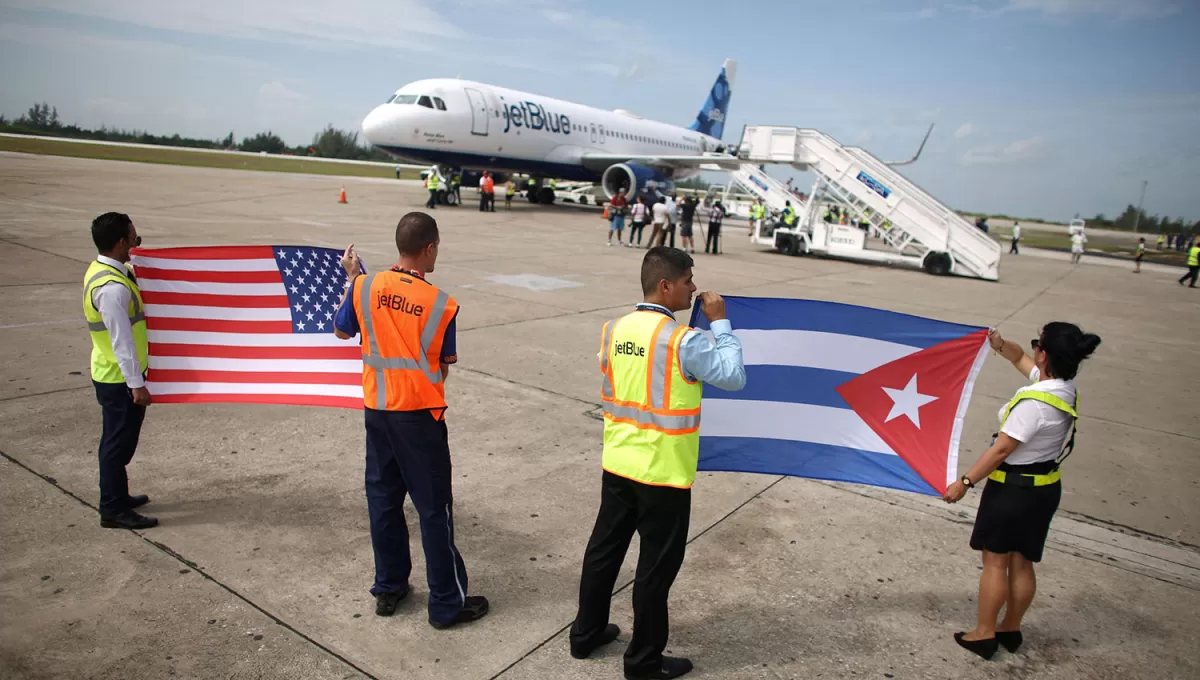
{"type": "Point", "coordinates": [638, 215]}
{"type": "Point", "coordinates": [1077, 241]}
{"type": "Point", "coordinates": [714, 229]}
{"type": "Point", "coordinates": [672, 220]}
{"type": "Point", "coordinates": [1193, 264]}
{"type": "Point", "coordinates": [1016, 239]}
{"type": "Point", "coordinates": [408, 344]}
{"type": "Point", "coordinates": [616, 218]}
{"type": "Point", "coordinates": [456, 186]}
{"type": "Point", "coordinates": [431, 183]}
{"type": "Point", "coordinates": [659, 219]}
{"type": "Point", "coordinates": [487, 193]}
{"type": "Point", "coordinates": [687, 212]}
{"type": "Point", "coordinates": [1138, 255]}
{"type": "Point", "coordinates": [509, 191]}
{"type": "Point", "coordinates": [651, 448]}
{"type": "Point", "coordinates": [758, 211]}
{"type": "Point", "coordinates": [116, 319]}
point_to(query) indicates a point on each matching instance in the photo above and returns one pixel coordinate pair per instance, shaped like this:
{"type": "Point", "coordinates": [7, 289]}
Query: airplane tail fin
{"type": "Point", "coordinates": [711, 119]}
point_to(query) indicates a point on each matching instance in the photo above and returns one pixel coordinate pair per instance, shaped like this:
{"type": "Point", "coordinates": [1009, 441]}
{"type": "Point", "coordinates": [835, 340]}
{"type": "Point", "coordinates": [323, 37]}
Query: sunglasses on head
{"type": "Point", "coordinates": [1035, 343]}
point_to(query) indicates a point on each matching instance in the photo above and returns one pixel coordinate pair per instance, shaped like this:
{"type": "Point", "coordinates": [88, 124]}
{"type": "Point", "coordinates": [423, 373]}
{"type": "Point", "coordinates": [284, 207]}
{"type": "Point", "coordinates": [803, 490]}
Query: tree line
{"type": "Point", "coordinates": [331, 142]}
{"type": "Point", "coordinates": [1152, 224]}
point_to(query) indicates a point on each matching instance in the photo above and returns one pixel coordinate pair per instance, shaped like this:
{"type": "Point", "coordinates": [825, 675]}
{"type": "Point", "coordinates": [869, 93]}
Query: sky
{"type": "Point", "coordinates": [1043, 108]}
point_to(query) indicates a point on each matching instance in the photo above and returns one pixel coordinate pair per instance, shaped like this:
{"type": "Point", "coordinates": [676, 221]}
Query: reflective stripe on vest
{"type": "Point", "coordinates": [1058, 403]}
{"type": "Point", "coordinates": [391, 381]}
{"type": "Point", "coordinates": [104, 366]}
{"type": "Point", "coordinates": [651, 408]}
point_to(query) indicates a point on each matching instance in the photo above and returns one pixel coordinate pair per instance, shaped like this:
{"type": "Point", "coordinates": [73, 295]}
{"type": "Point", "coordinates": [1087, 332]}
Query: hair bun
{"type": "Point", "coordinates": [1088, 344]}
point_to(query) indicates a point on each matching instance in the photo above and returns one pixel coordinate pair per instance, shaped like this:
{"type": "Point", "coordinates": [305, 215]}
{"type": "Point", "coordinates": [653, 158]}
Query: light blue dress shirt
{"type": "Point", "coordinates": [718, 364]}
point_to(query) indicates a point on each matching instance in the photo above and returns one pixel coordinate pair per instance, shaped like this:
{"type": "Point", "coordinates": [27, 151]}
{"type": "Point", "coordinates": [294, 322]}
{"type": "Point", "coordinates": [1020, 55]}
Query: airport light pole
{"type": "Point", "coordinates": [1137, 217]}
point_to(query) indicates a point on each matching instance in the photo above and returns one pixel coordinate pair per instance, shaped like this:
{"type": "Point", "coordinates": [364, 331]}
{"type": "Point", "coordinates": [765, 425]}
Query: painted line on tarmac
{"type": "Point", "coordinates": [167, 550]}
{"type": "Point", "coordinates": [45, 206]}
{"type": "Point", "coordinates": [39, 323]}
{"type": "Point", "coordinates": [45, 252]}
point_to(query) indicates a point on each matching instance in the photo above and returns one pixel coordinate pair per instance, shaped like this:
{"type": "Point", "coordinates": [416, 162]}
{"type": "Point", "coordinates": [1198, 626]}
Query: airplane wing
{"type": "Point", "coordinates": [715, 161]}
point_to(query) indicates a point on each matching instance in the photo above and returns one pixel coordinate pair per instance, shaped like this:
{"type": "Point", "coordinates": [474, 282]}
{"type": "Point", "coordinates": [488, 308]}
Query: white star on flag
{"type": "Point", "coordinates": [282, 254]}
{"type": "Point", "coordinates": [907, 402]}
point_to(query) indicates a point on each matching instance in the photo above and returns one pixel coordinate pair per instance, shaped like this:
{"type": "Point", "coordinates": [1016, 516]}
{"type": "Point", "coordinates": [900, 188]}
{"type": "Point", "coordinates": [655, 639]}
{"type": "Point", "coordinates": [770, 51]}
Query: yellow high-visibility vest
{"type": "Point", "coordinates": [104, 361]}
{"type": "Point", "coordinates": [433, 182]}
{"type": "Point", "coordinates": [1194, 257]}
{"type": "Point", "coordinates": [651, 408]}
{"type": "Point", "coordinates": [1059, 403]}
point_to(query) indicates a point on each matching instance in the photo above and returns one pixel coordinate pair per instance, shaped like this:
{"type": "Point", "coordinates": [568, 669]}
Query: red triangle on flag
{"type": "Point", "coordinates": [913, 403]}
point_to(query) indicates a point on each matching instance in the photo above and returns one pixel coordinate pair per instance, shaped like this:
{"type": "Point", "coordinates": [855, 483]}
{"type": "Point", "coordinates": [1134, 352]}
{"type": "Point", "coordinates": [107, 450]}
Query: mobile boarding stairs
{"type": "Point", "coordinates": [911, 227]}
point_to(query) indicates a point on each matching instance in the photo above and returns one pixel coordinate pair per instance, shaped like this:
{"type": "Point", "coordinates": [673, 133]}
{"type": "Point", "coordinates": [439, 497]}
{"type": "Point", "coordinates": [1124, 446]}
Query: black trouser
{"type": "Point", "coordinates": [432, 202]}
{"type": "Point", "coordinates": [1014, 248]}
{"type": "Point", "coordinates": [122, 425]}
{"type": "Point", "coordinates": [660, 516]}
{"type": "Point", "coordinates": [635, 229]}
{"type": "Point", "coordinates": [408, 454]}
{"type": "Point", "coordinates": [1192, 273]}
{"type": "Point", "coordinates": [713, 239]}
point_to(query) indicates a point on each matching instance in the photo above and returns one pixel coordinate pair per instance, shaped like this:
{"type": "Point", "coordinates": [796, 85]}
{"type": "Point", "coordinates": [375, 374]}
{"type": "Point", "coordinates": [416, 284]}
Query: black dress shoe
{"type": "Point", "coordinates": [670, 668]}
{"type": "Point", "coordinates": [474, 608]}
{"type": "Point", "coordinates": [985, 648]}
{"type": "Point", "coordinates": [1010, 639]}
{"type": "Point", "coordinates": [611, 631]}
{"type": "Point", "coordinates": [136, 501]}
{"type": "Point", "coordinates": [385, 603]}
{"type": "Point", "coordinates": [127, 519]}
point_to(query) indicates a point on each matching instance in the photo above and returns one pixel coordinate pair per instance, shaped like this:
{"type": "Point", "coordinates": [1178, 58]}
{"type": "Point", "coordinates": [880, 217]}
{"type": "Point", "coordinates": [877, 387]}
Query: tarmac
{"type": "Point", "coordinates": [261, 566]}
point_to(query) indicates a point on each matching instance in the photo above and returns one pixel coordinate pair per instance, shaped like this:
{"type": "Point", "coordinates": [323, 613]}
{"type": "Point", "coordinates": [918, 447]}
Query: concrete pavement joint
{"type": "Point", "coordinates": [231, 200]}
{"type": "Point", "coordinates": [39, 394]}
{"type": "Point", "coordinates": [167, 550]}
{"type": "Point", "coordinates": [527, 386]}
{"type": "Point", "coordinates": [628, 583]}
{"type": "Point", "coordinates": [48, 283]}
{"type": "Point", "coordinates": [44, 252]}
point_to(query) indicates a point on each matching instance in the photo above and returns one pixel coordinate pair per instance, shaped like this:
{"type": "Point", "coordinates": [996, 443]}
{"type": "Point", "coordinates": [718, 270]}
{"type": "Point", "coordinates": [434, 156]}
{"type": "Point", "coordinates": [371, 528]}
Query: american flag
{"type": "Point", "coordinates": [247, 324]}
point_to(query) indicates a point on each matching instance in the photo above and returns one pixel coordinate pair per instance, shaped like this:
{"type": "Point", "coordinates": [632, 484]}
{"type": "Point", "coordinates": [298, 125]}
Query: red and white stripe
{"type": "Point", "coordinates": [220, 331]}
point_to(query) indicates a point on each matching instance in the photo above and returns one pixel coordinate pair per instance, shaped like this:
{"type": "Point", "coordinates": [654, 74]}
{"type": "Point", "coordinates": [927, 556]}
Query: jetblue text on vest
{"type": "Point", "coordinates": [535, 117]}
{"type": "Point", "coordinates": [398, 303]}
{"type": "Point", "coordinates": [631, 348]}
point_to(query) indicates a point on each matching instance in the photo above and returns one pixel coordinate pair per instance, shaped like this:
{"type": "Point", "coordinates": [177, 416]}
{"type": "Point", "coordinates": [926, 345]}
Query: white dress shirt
{"type": "Point", "coordinates": [112, 301]}
{"type": "Point", "coordinates": [716, 363]}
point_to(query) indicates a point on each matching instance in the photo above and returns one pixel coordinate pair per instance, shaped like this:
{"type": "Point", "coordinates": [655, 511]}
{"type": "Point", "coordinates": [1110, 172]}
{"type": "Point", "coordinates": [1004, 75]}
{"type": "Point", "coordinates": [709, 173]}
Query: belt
{"type": "Point", "coordinates": [1025, 480]}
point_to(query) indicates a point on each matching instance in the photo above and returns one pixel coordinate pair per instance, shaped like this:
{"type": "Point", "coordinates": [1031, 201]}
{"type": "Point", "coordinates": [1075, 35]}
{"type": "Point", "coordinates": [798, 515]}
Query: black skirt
{"type": "Point", "coordinates": [1016, 518]}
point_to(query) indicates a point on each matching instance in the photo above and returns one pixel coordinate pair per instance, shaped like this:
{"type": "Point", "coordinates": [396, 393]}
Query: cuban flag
{"type": "Point", "coordinates": [842, 392]}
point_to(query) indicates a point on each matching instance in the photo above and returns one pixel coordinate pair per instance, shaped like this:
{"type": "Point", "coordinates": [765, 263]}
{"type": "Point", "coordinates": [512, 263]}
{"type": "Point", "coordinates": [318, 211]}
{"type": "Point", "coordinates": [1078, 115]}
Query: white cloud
{"type": "Point", "coordinates": [864, 137]}
{"type": "Point", "coordinates": [1115, 9]}
{"type": "Point", "coordinates": [276, 92]}
{"type": "Point", "coordinates": [1015, 152]}
{"type": "Point", "coordinates": [965, 130]}
{"type": "Point", "coordinates": [1125, 9]}
{"type": "Point", "coordinates": [928, 13]}
{"type": "Point", "coordinates": [383, 23]}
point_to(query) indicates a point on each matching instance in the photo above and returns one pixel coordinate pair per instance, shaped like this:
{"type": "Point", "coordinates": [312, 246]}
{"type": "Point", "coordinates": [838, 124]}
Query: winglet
{"type": "Point", "coordinates": [919, 150]}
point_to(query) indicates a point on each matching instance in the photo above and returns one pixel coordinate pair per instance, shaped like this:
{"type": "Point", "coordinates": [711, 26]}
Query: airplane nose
{"type": "Point", "coordinates": [377, 124]}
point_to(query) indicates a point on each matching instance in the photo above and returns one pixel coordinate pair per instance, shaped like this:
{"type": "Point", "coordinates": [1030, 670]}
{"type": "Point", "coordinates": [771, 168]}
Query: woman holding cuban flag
{"type": "Point", "coordinates": [1037, 431]}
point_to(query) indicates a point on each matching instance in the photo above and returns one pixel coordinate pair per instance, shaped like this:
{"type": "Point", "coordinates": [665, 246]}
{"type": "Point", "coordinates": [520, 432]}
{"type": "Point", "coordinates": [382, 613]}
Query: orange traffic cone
{"type": "Point", "coordinates": [342, 195]}
{"type": "Point", "coordinates": [606, 212]}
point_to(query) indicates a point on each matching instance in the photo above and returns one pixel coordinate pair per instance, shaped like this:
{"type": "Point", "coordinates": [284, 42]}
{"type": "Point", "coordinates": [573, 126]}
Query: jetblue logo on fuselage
{"type": "Point", "coordinates": [534, 116]}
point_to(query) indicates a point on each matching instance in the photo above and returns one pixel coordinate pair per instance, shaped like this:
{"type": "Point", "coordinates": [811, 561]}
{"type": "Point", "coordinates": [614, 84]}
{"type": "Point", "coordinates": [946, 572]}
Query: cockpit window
{"type": "Point", "coordinates": [389, 101]}
{"type": "Point", "coordinates": [405, 99]}
{"type": "Point", "coordinates": [424, 101]}
{"type": "Point", "coordinates": [441, 105]}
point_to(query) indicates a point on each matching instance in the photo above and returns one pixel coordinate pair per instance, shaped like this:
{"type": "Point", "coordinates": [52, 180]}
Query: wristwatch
{"type": "Point", "coordinates": [966, 481]}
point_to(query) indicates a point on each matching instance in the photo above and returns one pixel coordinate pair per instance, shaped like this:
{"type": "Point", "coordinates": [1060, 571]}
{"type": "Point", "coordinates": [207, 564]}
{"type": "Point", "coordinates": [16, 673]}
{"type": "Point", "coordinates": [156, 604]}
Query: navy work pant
{"type": "Point", "coordinates": [122, 425]}
{"type": "Point", "coordinates": [660, 515]}
{"type": "Point", "coordinates": [408, 454]}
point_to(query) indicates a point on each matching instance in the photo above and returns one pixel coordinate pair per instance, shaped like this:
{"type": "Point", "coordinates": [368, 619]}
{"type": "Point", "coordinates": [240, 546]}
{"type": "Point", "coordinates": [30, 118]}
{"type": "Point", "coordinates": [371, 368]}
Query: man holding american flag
{"type": "Point", "coordinates": [408, 343]}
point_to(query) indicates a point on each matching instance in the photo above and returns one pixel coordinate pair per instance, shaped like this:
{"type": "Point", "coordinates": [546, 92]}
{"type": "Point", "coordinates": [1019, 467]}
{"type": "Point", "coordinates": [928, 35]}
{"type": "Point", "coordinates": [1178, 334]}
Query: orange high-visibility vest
{"type": "Point", "coordinates": [488, 185]}
{"type": "Point", "coordinates": [403, 320]}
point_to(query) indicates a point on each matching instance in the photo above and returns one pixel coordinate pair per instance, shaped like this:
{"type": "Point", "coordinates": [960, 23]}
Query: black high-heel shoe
{"type": "Point", "coordinates": [1011, 639]}
{"type": "Point", "coordinates": [985, 648]}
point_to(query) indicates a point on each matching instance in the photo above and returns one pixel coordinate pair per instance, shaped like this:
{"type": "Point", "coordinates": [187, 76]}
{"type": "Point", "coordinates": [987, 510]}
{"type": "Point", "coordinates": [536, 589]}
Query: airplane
{"type": "Point", "coordinates": [456, 123]}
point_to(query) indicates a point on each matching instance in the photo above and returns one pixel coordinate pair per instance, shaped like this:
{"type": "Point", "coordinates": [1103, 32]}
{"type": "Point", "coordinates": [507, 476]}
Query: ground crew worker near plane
{"type": "Point", "coordinates": [408, 344]}
{"type": "Point", "coordinates": [757, 212]}
{"type": "Point", "coordinates": [652, 370]}
{"type": "Point", "coordinates": [116, 318]}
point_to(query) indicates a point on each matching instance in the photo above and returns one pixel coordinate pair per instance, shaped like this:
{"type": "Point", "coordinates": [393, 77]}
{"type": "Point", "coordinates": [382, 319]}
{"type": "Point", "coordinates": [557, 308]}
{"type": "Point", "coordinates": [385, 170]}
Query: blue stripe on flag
{"type": "Point", "coordinates": [794, 384]}
{"type": "Point", "coordinates": [834, 317]}
{"type": "Point", "coordinates": [804, 459]}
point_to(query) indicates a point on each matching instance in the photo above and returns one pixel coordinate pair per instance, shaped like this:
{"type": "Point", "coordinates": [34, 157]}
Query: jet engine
{"type": "Point", "coordinates": [635, 180]}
